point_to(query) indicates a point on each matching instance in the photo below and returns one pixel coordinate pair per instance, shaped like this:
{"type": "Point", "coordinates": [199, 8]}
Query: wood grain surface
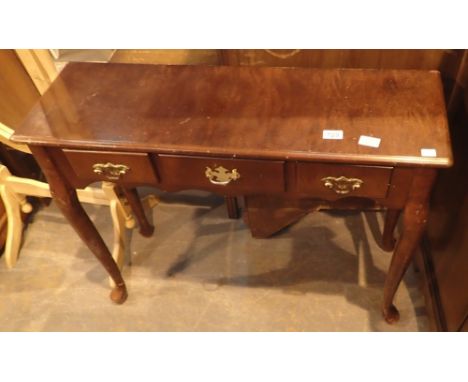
{"type": "Point", "coordinates": [18, 93]}
{"type": "Point", "coordinates": [260, 112]}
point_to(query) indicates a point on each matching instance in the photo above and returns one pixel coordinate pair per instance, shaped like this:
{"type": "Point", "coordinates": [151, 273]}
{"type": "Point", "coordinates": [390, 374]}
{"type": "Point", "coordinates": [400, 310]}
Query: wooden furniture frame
{"type": "Point", "coordinates": [42, 70]}
{"type": "Point", "coordinates": [256, 133]}
{"type": "Point", "coordinates": [40, 67]}
{"type": "Point", "coordinates": [14, 190]}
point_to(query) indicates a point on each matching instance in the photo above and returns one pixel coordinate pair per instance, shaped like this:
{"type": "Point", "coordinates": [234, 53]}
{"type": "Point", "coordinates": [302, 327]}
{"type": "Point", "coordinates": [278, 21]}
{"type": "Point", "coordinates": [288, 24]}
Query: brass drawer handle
{"type": "Point", "coordinates": [221, 176]}
{"type": "Point", "coordinates": [110, 171]}
{"type": "Point", "coordinates": [342, 185]}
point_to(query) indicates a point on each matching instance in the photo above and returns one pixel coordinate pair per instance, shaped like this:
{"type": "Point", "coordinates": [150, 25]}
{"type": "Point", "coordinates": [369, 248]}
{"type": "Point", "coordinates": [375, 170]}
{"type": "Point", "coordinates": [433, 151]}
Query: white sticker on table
{"type": "Point", "coordinates": [332, 134]}
{"type": "Point", "coordinates": [429, 153]}
{"type": "Point", "coordinates": [365, 140]}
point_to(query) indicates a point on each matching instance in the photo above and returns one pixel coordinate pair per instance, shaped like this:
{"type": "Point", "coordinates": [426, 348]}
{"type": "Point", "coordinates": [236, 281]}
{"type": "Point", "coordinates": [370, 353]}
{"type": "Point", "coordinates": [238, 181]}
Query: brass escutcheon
{"type": "Point", "coordinates": [110, 171]}
{"type": "Point", "coordinates": [221, 176]}
{"type": "Point", "coordinates": [342, 185]}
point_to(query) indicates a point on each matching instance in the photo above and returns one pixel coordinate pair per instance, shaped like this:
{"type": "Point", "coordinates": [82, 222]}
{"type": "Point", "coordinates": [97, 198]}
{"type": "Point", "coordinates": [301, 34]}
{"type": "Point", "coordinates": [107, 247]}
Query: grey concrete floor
{"type": "Point", "coordinates": [203, 272]}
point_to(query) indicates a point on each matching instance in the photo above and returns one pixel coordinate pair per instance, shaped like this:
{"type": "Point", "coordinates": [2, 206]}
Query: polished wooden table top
{"type": "Point", "coordinates": [244, 111]}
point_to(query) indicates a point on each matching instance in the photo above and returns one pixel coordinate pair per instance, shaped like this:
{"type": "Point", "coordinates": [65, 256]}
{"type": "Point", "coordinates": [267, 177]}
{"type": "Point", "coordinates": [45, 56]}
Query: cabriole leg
{"type": "Point", "coordinates": [414, 221]}
{"type": "Point", "coordinates": [67, 200]}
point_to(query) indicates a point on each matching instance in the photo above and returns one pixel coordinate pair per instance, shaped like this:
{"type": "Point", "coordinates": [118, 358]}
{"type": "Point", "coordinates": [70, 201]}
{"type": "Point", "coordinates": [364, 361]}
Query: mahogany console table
{"type": "Point", "coordinates": [284, 139]}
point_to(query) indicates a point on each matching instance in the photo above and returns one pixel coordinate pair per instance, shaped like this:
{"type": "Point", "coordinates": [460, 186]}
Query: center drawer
{"type": "Point", "coordinates": [222, 175]}
{"type": "Point", "coordinates": [335, 181]}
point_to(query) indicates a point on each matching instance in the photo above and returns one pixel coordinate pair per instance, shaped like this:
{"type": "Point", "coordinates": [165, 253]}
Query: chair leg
{"type": "Point", "coordinates": [119, 223]}
{"type": "Point", "coordinates": [14, 228]}
{"type": "Point", "coordinates": [14, 203]}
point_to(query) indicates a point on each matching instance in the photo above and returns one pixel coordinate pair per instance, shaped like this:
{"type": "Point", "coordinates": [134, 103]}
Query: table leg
{"type": "Point", "coordinates": [388, 239]}
{"type": "Point", "coordinates": [67, 200]}
{"type": "Point", "coordinates": [146, 229]}
{"type": "Point", "coordinates": [232, 207]}
{"type": "Point", "coordinates": [414, 221]}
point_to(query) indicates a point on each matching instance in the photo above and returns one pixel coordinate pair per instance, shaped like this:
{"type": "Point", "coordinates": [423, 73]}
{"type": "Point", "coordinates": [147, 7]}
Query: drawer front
{"type": "Point", "coordinates": [221, 175]}
{"type": "Point", "coordinates": [329, 180]}
{"type": "Point", "coordinates": [120, 167]}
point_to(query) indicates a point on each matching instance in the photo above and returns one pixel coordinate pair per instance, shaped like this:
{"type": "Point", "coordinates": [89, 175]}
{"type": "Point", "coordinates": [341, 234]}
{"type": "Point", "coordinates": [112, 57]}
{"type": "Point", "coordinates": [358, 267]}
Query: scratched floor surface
{"type": "Point", "coordinates": [203, 272]}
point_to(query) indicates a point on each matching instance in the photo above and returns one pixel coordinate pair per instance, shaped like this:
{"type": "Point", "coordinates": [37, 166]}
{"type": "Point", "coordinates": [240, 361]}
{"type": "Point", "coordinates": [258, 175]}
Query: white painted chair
{"type": "Point", "coordinates": [14, 190]}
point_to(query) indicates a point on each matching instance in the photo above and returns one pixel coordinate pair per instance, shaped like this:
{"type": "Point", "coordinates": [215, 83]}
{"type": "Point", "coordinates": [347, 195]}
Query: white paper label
{"type": "Point", "coordinates": [332, 134]}
{"type": "Point", "coordinates": [364, 140]}
{"type": "Point", "coordinates": [429, 153]}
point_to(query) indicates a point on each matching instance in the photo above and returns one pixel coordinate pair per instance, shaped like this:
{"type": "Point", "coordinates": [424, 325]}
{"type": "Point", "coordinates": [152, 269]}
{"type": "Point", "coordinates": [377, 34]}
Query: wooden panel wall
{"type": "Point", "coordinates": [317, 58]}
{"type": "Point", "coordinates": [447, 244]}
{"type": "Point", "coordinates": [337, 58]}
{"type": "Point", "coordinates": [167, 56]}
{"type": "Point", "coordinates": [17, 91]}
{"type": "Point", "coordinates": [445, 60]}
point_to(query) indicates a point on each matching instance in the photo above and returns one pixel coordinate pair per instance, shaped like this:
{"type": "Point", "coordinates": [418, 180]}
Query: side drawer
{"type": "Point", "coordinates": [330, 180]}
{"type": "Point", "coordinates": [222, 175]}
{"type": "Point", "coordinates": [121, 167]}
